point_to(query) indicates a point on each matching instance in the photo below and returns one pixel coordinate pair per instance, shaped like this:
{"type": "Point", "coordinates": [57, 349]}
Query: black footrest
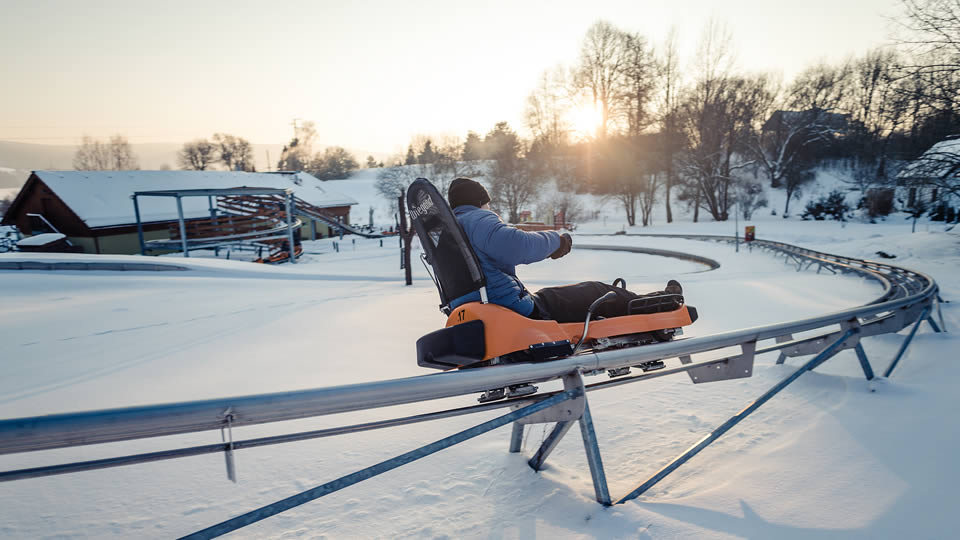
{"type": "Point", "coordinates": [655, 304]}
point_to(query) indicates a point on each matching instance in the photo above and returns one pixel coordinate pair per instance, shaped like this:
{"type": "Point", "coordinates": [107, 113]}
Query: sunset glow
{"type": "Point", "coordinates": [586, 119]}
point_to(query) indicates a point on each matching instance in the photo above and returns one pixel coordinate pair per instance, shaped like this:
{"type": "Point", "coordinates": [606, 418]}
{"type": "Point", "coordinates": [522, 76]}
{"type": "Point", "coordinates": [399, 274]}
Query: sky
{"type": "Point", "coordinates": [369, 73]}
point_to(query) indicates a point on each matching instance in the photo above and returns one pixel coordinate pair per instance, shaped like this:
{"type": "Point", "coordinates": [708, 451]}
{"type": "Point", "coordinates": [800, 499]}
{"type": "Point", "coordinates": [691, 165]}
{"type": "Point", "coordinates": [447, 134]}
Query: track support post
{"type": "Point", "coordinates": [600, 489]}
{"type": "Point", "coordinates": [516, 438]}
{"type": "Point", "coordinates": [906, 342]}
{"type": "Point", "coordinates": [864, 362]}
{"type": "Point", "coordinates": [565, 414]}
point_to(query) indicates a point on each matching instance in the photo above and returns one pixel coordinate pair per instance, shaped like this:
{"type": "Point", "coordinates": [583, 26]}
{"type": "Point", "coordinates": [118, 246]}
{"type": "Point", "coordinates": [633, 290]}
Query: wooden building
{"type": "Point", "coordinates": [95, 211]}
{"type": "Point", "coordinates": [933, 179]}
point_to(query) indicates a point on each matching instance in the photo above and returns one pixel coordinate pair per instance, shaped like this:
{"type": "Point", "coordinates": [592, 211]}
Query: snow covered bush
{"type": "Point", "coordinates": [751, 197]}
{"type": "Point", "coordinates": [833, 205]}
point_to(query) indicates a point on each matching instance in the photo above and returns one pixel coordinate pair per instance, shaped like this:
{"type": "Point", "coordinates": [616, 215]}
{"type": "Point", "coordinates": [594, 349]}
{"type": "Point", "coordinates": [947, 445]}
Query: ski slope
{"type": "Point", "coordinates": [825, 458]}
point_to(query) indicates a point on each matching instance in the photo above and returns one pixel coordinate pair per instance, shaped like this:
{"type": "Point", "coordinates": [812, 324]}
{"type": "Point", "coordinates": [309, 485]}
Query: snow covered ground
{"type": "Point", "coordinates": [826, 458]}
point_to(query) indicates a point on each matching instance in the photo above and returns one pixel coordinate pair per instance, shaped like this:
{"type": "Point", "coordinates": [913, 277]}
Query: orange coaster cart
{"type": "Point", "coordinates": [481, 334]}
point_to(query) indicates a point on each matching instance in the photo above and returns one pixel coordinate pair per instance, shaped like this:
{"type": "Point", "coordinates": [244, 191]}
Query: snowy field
{"type": "Point", "coordinates": [826, 458]}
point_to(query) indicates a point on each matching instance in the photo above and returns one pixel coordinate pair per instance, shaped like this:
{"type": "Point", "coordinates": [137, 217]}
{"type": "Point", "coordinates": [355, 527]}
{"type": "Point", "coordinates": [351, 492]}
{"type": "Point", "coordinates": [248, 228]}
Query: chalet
{"type": "Point", "coordinates": [934, 178]}
{"type": "Point", "coordinates": [95, 211]}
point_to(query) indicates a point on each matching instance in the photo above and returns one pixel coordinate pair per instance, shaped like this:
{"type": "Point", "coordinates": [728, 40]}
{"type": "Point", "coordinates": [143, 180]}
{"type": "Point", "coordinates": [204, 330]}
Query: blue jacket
{"type": "Point", "coordinates": [500, 248]}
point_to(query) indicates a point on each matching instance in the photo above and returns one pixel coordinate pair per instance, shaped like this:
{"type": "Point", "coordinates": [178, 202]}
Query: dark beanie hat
{"type": "Point", "coordinates": [466, 191]}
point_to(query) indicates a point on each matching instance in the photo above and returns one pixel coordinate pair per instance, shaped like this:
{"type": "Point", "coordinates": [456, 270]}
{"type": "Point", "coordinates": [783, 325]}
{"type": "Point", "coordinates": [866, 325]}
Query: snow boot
{"type": "Point", "coordinates": [673, 287]}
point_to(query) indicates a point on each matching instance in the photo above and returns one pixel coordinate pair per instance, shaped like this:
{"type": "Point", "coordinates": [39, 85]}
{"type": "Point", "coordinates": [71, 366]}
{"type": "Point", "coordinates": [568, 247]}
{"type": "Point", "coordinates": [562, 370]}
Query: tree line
{"type": "Point", "coordinates": [708, 136]}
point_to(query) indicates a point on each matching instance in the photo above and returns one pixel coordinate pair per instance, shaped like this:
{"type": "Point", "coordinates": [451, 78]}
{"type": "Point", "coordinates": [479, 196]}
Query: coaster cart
{"type": "Point", "coordinates": [481, 334]}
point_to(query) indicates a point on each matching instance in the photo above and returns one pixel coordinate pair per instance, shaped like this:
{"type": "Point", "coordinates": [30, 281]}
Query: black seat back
{"type": "Point", "coordinates": [445, 245]}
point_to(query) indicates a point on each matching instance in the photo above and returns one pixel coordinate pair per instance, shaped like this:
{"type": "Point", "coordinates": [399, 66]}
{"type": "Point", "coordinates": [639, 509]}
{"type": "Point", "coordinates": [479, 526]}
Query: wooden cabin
{"type": "Point", "coordinates": [95, 211]}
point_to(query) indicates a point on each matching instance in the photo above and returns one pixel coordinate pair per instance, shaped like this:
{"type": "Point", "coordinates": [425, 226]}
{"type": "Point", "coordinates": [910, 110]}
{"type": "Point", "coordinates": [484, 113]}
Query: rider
{"type": "Point", "coordinates": [501, 247]}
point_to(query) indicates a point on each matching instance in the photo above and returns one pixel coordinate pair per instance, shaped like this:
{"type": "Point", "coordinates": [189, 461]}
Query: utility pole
{"type": "Point", "coordinates": [736, 224]}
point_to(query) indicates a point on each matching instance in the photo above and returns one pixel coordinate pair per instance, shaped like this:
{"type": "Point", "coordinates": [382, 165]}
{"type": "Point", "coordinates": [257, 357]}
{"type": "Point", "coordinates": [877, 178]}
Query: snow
{"type": "Point", "coordinates": [941, 159]}
{"type": "Point", "coordinates": [825, 458]}
{"type": "Point", "coordinates": [103, 198]}
{"type": "Point", "coordinates": [41, 239]}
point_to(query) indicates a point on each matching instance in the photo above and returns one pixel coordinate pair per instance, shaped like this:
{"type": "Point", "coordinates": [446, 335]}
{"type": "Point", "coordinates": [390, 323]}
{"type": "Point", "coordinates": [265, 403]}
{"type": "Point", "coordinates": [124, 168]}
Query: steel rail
{"type": "Point", "coordinates": [105, 463]}
{"type": "Point", "coordinates": [94, 427]}
{"type": "Point", "coordinates": [239, 236]}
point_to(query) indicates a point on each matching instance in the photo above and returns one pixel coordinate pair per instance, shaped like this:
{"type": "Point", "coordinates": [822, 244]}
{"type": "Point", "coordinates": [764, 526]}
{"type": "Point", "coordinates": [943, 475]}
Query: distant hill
{"type": "Point", "coordinates": [18, 159]}
{"type": "Point", "coordinates": [152, 156]}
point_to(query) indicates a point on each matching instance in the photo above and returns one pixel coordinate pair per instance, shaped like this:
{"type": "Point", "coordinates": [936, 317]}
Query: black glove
{"type": "Point", "coordinates": [566, 242]}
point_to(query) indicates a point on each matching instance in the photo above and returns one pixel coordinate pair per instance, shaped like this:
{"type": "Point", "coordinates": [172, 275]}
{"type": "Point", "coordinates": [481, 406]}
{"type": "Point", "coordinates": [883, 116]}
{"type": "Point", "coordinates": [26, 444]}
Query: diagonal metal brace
{"type": "Point", "coordinates": [827, 353]}
{"type": "Point", "coordinates": [906, 342]}
{"type": "Point", "coordinates": [315, 493]}
{"type": "Point", "coordinates": [564, 414]}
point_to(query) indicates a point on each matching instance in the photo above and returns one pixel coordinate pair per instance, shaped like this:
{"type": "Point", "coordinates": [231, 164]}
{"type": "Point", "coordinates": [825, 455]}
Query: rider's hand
{"type": "Point", "coordinates": [566, 242]}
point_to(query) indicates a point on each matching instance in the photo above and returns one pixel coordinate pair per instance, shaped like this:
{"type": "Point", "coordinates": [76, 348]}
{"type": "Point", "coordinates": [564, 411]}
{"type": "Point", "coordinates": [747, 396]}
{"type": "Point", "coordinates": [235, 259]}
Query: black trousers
{"type": "Point", "coordinates": [569, 303]}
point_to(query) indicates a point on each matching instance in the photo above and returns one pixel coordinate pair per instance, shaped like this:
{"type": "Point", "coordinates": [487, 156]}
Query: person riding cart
{"type": "Point", "coordinates": [491, 317]}
{"type": "Point", "coordinates": [500, 248]}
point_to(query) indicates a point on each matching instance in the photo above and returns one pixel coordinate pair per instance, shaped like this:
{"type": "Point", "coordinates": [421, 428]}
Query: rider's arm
{"type": "Point", "coordinates": [511, 246]}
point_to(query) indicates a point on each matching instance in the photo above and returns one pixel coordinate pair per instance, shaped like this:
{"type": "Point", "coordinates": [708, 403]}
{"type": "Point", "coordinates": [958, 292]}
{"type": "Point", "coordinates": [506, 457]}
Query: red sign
{"type": "Point", "coordinates": [749, 233]}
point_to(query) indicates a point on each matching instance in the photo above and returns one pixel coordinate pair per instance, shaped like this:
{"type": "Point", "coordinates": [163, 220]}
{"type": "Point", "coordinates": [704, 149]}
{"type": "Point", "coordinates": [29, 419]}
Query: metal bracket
{"type": "Point", "coordinates": [567, 411]}
{"type": "Point", "coordinates": [228, 438]}
{"type": "Point", "coordinates": [735, 367]}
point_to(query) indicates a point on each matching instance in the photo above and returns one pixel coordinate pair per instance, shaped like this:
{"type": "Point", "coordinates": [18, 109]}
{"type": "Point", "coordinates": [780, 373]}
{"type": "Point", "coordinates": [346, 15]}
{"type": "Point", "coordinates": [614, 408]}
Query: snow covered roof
{"type": "Point", "coordinates": [41, 239]}
{"type": "Point", "coordinates": [103, 198]}
{"type": "Point", "coordinates": [942, 160]}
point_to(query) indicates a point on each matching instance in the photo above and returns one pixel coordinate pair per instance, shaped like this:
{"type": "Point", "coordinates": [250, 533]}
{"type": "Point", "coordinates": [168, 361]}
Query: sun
{"type": "Point", "coordinates": [586, 119]}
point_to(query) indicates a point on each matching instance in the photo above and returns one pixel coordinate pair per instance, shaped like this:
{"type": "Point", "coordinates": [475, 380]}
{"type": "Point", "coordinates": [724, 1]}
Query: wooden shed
{"type": "Point", "coordinates": [95, 211]}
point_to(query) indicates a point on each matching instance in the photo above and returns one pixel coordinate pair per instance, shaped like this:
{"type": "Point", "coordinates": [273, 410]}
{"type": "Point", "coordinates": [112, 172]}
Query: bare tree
{"type": "Point", "coordinates": [672, 139]}
{"type": "Point", "coordinates": [547, 107]}
{"type": "Point", "coordinates": [620, 168]}
{"type": "Point", "coordinates": [393, 182]}
{"type": "Point", "coordinates": [513, 182]}
{"type": "Point", "coordinates": [933, 33]}
{"type": "Point", "coordinates": [447, 164]}
{"type": "Point", "coordinates": [600, 70]}
{"type": "Point", "coordinates": [820, 86]}
{"type": "Point", "coordinates": [297, 154]}
{"type": "Point", "coordinates": [718, 118]}
{"type": "Point", "coordinates": [639, 83]}
{"type": "Point", "coordinates": [709, 122]}
{"type": "Point", "coordinates": [797, 126]}
{"type": "Point", "coordinates": [236, 153]}
{"type": "Point", "coordinates": [649, 187]}
{"type": "Point", "coordinates": [116, 155]}
{"type": "Point", "coordinates": [930, 37]}
{"type": "Point", "coordinates": [197, 155]}
{"type": "Point", "coordinates": [92, 155]}
{"type": "Point", "coordinates": [877, 102]}
{"type": "Point", "coordinates": [122, 154]}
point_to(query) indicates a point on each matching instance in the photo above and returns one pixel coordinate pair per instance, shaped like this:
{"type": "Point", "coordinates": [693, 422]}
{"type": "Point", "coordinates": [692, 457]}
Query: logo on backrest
{"type": "Point", "coordinates": [422, 208]}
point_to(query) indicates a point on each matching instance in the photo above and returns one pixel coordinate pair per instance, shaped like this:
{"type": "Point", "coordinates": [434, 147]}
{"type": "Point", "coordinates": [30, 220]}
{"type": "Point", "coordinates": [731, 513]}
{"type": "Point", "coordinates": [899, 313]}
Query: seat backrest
{"type": "Point", "coordinates": [445, 245]}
